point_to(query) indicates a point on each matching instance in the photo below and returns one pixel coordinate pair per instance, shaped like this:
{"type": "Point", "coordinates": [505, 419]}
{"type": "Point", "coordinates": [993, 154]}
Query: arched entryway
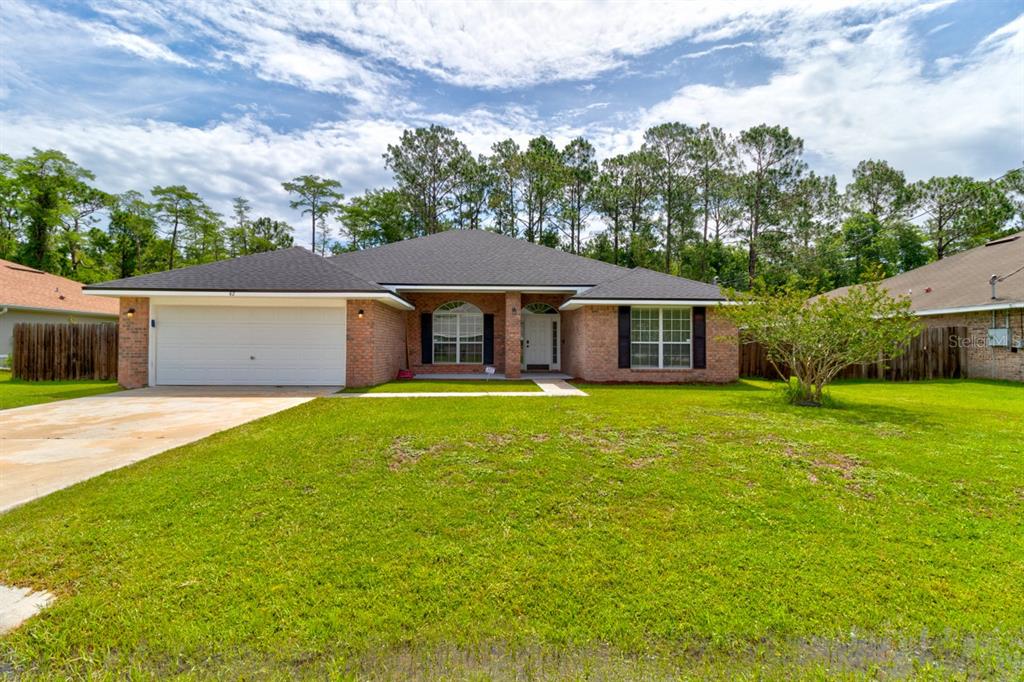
{"type": "Point", "coordinates": [541, 337]}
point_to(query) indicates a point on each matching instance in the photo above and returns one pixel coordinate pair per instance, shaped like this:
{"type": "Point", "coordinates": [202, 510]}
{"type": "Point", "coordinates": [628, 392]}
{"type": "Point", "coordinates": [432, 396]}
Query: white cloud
{"type": "Point", "coordinates": [475, 44]}
{"type": "Point", "coordinates": [133, 43]}
{"type": "Point", "coordinates": [940, 27]}
{"type": "Point", "coordinates": [30, 31]}
{"type": "Point", "coordinates": [863, 92]}
{"type": "Point", "coordinates": [279, 56]}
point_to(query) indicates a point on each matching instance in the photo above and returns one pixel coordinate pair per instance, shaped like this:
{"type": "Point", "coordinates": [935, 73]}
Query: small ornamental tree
{"type": "Point", "coordinates": [817, 338]}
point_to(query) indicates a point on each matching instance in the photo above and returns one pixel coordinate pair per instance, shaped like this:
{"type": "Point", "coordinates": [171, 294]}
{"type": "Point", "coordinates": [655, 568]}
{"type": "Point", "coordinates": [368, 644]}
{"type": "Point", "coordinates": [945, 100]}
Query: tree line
{"type": "Point", "coordinates": [52, 217]}
{"type": "Point", "coordinates": [694, 201]}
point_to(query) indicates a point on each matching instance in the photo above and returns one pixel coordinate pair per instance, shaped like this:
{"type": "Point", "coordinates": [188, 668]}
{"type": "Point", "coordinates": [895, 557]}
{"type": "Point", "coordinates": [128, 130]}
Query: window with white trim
{"type": "Point", "coordinates": [660, 338]}
{"type": "Point", "coordinates": [458, 329]}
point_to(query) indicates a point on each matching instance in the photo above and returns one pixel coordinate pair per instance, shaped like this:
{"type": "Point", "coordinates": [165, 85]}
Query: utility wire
{"type": "Point", "coordinates": [1006, 277]}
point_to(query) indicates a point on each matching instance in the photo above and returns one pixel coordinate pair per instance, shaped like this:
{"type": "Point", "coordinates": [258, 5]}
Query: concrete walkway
{"type": "Point", "coordinates": [47, 447]}
{"type": "Point", "coordinates": [549, 388]}
{"type": "Point", "coordinates": [18, 604]}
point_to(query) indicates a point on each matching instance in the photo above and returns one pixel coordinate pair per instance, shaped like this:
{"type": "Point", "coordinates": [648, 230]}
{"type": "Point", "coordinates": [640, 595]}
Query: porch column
{"type": "Point", "coordinates": [513, 331]}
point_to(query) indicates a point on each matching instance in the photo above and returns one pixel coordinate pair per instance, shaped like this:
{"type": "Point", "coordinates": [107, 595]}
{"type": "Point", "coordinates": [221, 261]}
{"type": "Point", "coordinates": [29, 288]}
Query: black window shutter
{"type": "Point", "coordinates": [624, 323]}
{"type": "Point", "coordinates": [426, 338]}
{"type": "Point", "coordinates": [700, 344]}
{"type": "Point", "coordinates": [488, 339]}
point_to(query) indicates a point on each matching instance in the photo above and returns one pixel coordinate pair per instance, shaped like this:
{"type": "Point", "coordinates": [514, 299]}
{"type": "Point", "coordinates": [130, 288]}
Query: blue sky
{"type": "Point", "coordinates": [232, 98]}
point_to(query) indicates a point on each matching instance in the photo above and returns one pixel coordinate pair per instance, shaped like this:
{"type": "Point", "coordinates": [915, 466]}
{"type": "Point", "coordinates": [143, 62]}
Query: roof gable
{"type": "Point", "coordinates": [287, 270]}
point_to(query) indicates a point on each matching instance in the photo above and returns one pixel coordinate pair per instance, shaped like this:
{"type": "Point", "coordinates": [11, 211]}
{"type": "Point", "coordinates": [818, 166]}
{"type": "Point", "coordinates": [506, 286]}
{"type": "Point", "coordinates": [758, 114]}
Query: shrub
{"type": "Point", "coordinates": [817, 338]}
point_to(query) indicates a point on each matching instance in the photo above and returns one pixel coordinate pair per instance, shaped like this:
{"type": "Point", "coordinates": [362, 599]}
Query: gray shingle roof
{"type": "Point", "coordinates": [641, 283]}
{"type": "Point", "coordinates": [475, 257]}
{"type": "Point", "coordinates": [452, 258]}
{"type": "Point", "coordinates": [962, 280]}
{"type": "Point", "coordinates": [294, 269]}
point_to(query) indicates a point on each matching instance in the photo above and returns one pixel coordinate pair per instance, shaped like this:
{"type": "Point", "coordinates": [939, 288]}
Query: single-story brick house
{"type": "Point", "coordinates": [981, 289]}
{"type": "Point", "coordinates": [37, 297]}
{"type": "Point", "coordinates": [455, 302]}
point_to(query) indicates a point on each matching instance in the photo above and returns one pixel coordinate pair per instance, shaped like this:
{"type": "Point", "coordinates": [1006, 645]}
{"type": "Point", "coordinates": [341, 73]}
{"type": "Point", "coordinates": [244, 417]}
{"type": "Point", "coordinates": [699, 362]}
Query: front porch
{"type": "Point", "coordinates": [459, 334]}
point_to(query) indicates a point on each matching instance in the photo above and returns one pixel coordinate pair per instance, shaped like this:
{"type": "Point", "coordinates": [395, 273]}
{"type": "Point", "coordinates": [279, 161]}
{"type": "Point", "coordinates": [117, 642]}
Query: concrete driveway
{"type": "Point", "coordinates": [47, 447]}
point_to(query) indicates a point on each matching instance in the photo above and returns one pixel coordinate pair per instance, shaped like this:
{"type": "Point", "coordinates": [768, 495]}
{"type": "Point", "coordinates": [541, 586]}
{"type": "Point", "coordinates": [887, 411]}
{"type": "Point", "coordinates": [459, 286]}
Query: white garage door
{"type": "Point", "coordinates": [254, 346]}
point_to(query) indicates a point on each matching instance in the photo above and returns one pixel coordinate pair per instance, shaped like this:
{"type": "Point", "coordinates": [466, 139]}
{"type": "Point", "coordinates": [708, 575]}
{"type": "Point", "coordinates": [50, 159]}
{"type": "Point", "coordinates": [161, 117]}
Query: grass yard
{"type": "Point", "coordinates": [448, 386]}
{"type": "Point", "coordinates": [17, 393]}
{"type": "Point", "coordinates": [641, 532]}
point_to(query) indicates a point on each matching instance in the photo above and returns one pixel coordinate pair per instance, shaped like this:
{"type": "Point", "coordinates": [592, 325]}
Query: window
{"type": "Point", "coordinates": [458, 334]}
{"type": "Point", "coordinates": [660, 338]}
{"type": "Point", "coordinates": [554, 342]}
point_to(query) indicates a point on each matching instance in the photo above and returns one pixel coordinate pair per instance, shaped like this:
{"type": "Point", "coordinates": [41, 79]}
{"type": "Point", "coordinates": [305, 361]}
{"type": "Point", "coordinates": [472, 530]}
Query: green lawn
{"type": "Point", "coordinates": [452, 386]}
{"type": "Point", "coordinates": [637, 533]}
{"type": "Point", "coordinates": [17, 393]}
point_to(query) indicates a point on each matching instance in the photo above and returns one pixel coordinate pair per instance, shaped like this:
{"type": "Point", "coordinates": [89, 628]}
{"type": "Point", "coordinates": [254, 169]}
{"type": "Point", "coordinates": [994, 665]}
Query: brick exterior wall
{"type": "Point", "coordinates": [493, 304]}
{"type": "Point", "coordinates": [592, 350]}
{"type": "Point", "coordinates": [133, 344]}
{"type": "Point", "coordinates": [513, 333]}
{"type": "Point", "coordinates": [386, 340]}
{"type": "Point", "coordinates": [375, 343]}
{"type": "Point", "coordinates": [983, 361]}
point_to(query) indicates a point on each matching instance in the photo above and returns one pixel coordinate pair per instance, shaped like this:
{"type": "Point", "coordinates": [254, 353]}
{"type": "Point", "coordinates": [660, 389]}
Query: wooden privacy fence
{"type": "Point", "coordinates": [935, 353]}
{"type": "Point", "coordinates": [52, 352]}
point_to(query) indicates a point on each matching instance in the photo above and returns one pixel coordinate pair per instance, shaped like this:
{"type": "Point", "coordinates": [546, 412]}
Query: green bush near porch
{"type": "Point", "coordinates": [641, 532]}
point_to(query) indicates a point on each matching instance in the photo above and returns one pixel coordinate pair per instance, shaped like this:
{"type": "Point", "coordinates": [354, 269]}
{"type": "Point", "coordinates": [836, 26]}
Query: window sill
{"type": "Point", "coordinates": [660, 369]}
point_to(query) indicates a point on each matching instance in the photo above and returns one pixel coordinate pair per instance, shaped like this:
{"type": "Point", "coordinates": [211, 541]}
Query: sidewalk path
{"type": "Point", "coordinates": [549, 388]}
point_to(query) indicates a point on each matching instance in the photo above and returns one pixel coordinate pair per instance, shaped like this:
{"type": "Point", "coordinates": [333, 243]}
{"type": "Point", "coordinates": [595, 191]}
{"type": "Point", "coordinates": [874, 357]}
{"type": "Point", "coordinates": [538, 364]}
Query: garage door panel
{"type": "Point", "coordinates": [250, 345]}
{"type": "Point", "coordinates": [291, 336]}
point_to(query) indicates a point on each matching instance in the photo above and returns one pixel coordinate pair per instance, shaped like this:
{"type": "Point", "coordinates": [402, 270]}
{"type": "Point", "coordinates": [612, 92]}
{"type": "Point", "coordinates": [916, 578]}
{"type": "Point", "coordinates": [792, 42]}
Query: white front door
{"type": "Point", "coordinates": [540, 341]}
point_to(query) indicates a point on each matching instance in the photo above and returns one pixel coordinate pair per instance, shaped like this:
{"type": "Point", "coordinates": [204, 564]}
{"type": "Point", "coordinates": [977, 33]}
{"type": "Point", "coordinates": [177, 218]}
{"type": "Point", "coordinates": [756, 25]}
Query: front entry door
{"type": "Point", "coordinates": [540, 341]}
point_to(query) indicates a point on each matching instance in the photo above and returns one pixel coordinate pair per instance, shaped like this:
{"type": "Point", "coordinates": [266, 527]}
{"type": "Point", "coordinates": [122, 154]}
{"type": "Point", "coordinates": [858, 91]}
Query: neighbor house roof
{"type": "Point", "coordinates": [962, 281]}
{"type": "Point", "coordinates": [287, 270]}
{"type": "Point", "coordinates": [455, 258]}
{"type": "Point", "coordinates": [25, 287]}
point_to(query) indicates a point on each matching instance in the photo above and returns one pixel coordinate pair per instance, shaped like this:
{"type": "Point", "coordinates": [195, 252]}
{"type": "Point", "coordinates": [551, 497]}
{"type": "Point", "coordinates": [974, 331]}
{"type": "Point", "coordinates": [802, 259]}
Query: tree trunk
{"type": "Point", "coordinates": [615, 239]}
{"type": "Point", "coordinates": [704, 248]}
{"type": "Point", "coordinates": [755, 226]}
{"type": "Point", "coordinates": [174, 243]}
{"type": "Point", "coordinates": [668, 232]}
{"type": "Point", "coordinates": [312, 225]}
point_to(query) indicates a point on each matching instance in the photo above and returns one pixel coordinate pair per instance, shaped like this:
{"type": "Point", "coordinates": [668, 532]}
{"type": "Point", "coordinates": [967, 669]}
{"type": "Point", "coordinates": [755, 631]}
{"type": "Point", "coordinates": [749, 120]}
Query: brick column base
{"type": "Point", "coordinates": [513, 333]}
{"type": "Point", "coordinates": [133, 343]}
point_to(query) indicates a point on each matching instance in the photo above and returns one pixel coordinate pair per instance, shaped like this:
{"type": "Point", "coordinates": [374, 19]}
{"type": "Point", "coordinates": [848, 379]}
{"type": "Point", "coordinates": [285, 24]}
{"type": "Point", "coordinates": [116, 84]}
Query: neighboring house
{"type": "Point", "coordinates": [30, 295]}
{"type": "Point", "coordinates": [981, 289]}
{"type": "Point", "coordinates": [456, 302]}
